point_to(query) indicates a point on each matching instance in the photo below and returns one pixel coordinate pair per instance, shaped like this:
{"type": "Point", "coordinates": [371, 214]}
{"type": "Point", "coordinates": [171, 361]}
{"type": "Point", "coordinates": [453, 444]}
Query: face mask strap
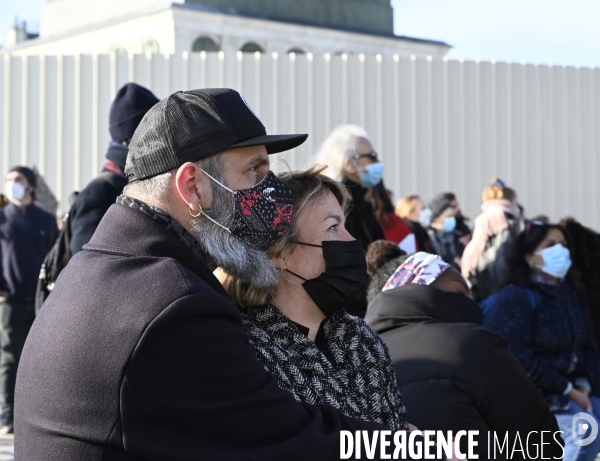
{"type": "Point", "coordinates": [299, 276]}
{"type": "Point", "coordinates": [307, 244]}
{"type": "Point", "coordinates": [215, 222]}
{"type": "Point", "coordinates": [217, 181]}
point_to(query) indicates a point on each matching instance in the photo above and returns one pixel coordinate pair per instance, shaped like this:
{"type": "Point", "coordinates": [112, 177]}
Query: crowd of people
{"type": "Point", "coordinates": [195, 305]}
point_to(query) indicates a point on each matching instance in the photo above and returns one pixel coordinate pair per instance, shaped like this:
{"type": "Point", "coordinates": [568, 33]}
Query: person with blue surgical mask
{"type": "Point", "coordinates": [441, 231]}
{"type": "Point", "coordinates": [352, 160]}
{"type": "Point", "coordinates": [544, 316]}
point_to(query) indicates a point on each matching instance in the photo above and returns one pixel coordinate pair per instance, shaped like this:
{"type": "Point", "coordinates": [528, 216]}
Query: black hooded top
{"type": "Point", "coordinates": [453, 373]}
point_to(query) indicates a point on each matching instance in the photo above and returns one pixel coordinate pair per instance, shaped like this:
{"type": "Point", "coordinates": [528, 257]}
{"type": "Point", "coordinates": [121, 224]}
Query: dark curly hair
{"type": "Point", "coordinates": [518, 271]}
{"type": "Point", "coordinates": [379, 253]}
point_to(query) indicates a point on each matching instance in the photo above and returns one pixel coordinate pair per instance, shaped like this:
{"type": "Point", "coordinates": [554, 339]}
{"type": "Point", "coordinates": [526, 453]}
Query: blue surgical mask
{"type": "Point", "coordinates": [371, 175]}
{"type": "Point", "coordinates": [449, 224]}
{"type": "Point", "coordinates": [557, 261]}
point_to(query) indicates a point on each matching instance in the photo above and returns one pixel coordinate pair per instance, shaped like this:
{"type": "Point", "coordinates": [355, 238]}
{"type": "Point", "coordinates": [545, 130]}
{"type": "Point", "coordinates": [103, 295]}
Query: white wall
{"type": "Point", "coordinates": [439, 125]}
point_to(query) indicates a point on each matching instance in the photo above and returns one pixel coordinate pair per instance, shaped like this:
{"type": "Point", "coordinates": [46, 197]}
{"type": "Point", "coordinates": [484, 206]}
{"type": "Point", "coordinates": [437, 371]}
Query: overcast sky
{"type": "Point", "coordinates": [543, 31]}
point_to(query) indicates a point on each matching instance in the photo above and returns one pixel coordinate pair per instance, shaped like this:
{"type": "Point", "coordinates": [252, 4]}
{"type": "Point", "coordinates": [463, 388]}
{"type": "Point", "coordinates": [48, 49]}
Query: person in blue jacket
{"type": "Point", "coordinates": [543, 315]}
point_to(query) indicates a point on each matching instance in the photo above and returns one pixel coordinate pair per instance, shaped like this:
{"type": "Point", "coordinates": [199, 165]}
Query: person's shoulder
{"type": "Point", "coordinates": [364, 329]}
{"type": "Point", "coordinates": [96, 191]}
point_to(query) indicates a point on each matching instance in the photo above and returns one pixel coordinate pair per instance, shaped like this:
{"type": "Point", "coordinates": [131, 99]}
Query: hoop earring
{"type": "Point", "coordinates": [197, 215]}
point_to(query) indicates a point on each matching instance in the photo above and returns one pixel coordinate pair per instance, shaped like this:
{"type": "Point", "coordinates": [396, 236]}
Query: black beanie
{"type": "Point", "coordinates": [28, 173]}
{"type": "Point", "coordinates": [437, 206]}
{"type": "Point", "coordinates": [127, 110]}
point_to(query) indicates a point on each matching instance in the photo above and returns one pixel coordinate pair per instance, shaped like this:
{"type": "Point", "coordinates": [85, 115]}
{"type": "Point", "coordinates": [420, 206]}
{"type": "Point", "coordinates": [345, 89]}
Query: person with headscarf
{"type": "Point", "coordinates": [453, 373]}
{"type": "Point", "coordinates": [483, 262]}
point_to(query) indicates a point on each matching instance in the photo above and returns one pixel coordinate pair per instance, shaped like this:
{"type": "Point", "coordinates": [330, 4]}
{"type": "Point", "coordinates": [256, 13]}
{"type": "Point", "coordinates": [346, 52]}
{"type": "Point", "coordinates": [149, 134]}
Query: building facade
{"type": "Point", "coordinates": [282, 26]}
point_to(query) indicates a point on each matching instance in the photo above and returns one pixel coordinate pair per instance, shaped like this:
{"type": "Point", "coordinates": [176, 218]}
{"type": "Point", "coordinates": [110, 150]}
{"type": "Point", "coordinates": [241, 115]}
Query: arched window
{"type": "Point", "coordinates": [251, 47]}
{"type": "Point", "coordinates": [152, 47]}
{"type": "Point", "coordinates": [120, 50]}
{"type": "Point", "coordinates": [205, 44]}
{"type": "Point", "coordinates": [296, 51]}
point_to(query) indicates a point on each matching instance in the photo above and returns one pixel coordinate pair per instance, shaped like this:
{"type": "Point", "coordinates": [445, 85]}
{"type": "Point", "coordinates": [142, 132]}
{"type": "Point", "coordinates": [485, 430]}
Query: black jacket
{"type": "Point", "coordinates": [26, 236]}
{"type": "Point", "coordinates": [361, 222]}
{"type": "Point", "coordinates": [453, 373]}
{"type": "Point", "coordinates": [421, 236]}
{"type": "Point", "coordinates": [92, 202]}
{"type": "Point", "coordinates": [139, 354]}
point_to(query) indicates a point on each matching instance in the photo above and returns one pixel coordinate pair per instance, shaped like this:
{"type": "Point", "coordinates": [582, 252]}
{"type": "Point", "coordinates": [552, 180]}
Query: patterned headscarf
{"type": "Point", "coordinates": [421, 268]}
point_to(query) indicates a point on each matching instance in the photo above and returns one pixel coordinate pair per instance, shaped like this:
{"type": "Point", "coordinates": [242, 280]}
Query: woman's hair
{"type": "Point", "coordinates": [307, 186]}
{"type": "Point", "coordinates": [339, 146]}
{"type": "Point", "coordinates": [498, 190]}
{"type": "Point", "coordinates": [380, 198]}
{"type": "Point", "coordinates": [518, 271]}
{"type": "Point", "coordinates": [379, 253]}
{"type": "Point", "coordinates": [406, 205]}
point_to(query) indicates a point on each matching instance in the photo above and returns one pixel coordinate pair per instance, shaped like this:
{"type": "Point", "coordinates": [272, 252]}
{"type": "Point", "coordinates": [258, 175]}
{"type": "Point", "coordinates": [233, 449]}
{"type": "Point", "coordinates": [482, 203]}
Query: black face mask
{"type": "Point", "coordinates": [345, 275]}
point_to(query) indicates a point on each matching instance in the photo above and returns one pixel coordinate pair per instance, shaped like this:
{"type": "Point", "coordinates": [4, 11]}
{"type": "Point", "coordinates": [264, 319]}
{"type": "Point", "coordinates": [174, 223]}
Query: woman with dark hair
{"type": "Point", "coordinates": [543, 315]}
{"type": "Point", "coordinates": [394, 228]}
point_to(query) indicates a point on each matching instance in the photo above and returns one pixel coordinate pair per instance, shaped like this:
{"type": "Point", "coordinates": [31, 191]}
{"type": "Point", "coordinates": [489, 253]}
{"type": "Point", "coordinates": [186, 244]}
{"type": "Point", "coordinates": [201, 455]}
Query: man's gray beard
{"type": "Point", "coordinates": [237, 259]}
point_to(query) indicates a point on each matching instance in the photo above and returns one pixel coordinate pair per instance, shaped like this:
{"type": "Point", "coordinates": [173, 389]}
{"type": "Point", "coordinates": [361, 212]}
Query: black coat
{"type": "Point", "coordinates": [91, 204]}
{"type": "Point", "coordinates": [138, 353]}
{"type": "Point", "coordinates": [361, 221]}
{"type": "Point", "coordinates": [453, 373]}
{"type": "Point", "coordinates": [421, 236]}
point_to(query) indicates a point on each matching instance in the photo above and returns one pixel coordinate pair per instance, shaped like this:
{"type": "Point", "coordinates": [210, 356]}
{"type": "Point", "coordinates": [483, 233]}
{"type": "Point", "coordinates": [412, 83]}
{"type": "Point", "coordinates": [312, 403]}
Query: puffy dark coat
{"type": "Point", "coordinates": [453, 373]}
{"type": "Point", "coordinates": [138, 353]}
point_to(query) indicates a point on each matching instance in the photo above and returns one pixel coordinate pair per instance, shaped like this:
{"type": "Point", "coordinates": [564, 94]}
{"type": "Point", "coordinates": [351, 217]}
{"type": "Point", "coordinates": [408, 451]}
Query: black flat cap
{"type": "Point", "coordinates": [192, 125]}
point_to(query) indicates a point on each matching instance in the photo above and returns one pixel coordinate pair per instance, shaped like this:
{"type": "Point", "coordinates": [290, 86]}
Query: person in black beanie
{"type": "Point", "coordinates": [127, 110]}
{"type": "Point", "coordinates": [441, 231]}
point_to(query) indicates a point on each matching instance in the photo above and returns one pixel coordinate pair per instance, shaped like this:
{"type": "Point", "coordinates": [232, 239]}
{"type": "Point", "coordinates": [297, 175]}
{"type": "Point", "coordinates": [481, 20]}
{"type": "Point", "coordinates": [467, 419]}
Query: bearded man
{"type": "Point", "coordinates": [138, 353]}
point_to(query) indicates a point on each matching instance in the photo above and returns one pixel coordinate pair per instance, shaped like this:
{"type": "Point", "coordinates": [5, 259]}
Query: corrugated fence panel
{"type": "Point", "coordinates": [439, 125]}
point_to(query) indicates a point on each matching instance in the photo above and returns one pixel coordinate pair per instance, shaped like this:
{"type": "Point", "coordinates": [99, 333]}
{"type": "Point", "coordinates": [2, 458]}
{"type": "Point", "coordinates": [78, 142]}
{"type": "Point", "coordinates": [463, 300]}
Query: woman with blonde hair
{"type": "Point", "coordinates": [417, 217]}
{"type": "Point", "coordinates": [300, 329]}
{"type": "Point", "coordinates": [483, 262]}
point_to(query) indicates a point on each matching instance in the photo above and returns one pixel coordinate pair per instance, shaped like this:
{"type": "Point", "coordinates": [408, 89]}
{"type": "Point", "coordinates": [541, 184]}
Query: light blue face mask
{"type": "Point", "coordinates": [557, 261]}
{"type": "Point", "coordinates": [371, 175]}
{"type": "Point", "coordinates": [449, 224]}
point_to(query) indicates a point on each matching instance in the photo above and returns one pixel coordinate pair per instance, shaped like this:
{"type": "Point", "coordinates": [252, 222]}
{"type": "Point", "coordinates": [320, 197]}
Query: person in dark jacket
{"type": "Point", "coordinates": [453, 373]}
{"type": "Point", "coordinates": [441, 231]}
{"type": "Point", "coordinates": [139, 353]}
{"type": "Point", "coordinates": [543, 315]}
{"type": "Point", "coordinates": [352, 160]}
{"type": "Point", "coordinates": [462, 232]}
{"type": "Point", "coordinates": [26, 235]}
{"type": "Point", "coordinates": [127, 110]}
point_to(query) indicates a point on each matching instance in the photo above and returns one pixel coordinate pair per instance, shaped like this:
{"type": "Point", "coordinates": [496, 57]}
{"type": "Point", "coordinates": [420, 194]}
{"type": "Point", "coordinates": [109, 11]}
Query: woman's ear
{"type": "Point", "coordinates": [530, 259]}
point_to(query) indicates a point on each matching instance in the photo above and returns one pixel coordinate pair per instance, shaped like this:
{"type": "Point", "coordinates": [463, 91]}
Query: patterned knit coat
{"type": "Point", "coordinates": [359, 380]}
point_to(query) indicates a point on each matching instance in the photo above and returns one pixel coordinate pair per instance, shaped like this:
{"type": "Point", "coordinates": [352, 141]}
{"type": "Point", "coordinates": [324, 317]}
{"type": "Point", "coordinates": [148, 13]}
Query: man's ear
{"type": "Point", "coordinates": [193, 186]}
{"type": "Point", "coordinates": [348, 165]}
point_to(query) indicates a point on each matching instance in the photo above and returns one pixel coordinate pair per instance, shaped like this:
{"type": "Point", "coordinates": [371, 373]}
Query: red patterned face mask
{"type": "Point", "coordinates": [262, 213]}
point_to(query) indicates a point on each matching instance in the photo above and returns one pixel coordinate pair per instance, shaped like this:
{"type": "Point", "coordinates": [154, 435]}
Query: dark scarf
{"type": "Point", "coordinates": [360, 379]}
{"type": "Point", "coordinates": [167, 221]}
{"type": "Point", "coordinates": [117, 155]}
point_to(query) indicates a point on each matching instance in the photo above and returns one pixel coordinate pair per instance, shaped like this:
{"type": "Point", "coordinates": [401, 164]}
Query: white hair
{"type": "Point", "coordinates": [339, 146]}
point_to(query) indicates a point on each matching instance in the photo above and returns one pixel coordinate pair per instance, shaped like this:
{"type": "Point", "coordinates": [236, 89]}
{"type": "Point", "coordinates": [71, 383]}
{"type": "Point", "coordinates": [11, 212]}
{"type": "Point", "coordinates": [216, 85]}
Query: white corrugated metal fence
{"type": "Point", "coordinates": [439, 125]}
